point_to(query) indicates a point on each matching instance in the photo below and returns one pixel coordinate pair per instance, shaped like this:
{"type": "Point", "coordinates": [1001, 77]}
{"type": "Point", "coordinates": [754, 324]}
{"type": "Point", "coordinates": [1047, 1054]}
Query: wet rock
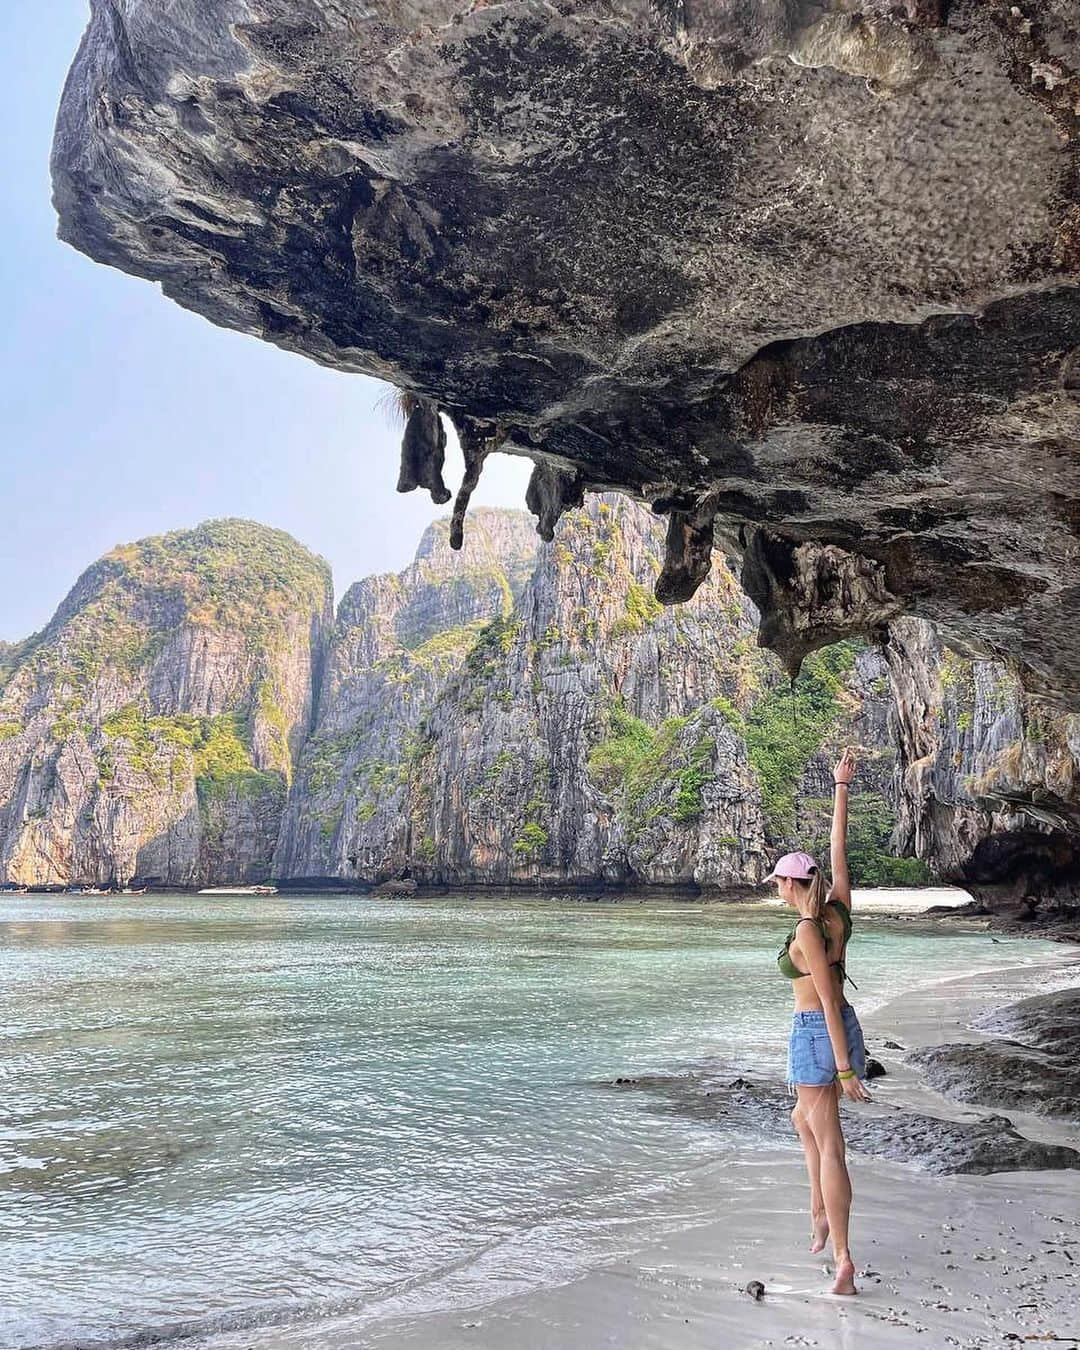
{"type": "Point", "coordinates": [1033, 1064]}
{"type": "Point", "coordinates": [989, 1144]}
{"type": "Point", "coordinates": [402, 888]}
{"type": "Point", "coordinates": [1047, 1022]}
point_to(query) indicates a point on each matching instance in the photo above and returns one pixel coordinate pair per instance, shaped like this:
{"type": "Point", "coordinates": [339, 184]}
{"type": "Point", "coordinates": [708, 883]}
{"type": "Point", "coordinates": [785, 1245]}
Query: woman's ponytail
{"type": "Point", "coordinates": [819, 893]}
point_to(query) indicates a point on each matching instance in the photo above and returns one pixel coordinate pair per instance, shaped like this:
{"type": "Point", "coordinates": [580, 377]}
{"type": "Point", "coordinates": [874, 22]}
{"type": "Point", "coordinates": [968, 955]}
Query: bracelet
{"type": "Point", "coordinates": [842, 782]}
{"type": "Point", "coordinates": [845, 1073]}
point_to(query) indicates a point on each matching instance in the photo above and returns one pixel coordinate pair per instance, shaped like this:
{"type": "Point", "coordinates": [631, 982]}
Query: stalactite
{"type": "Point", "coordinates": [552, 491]}
{"type": "Point", "coordinates": [811, 594]}
{"type": "Point", "coordinates": [423, 449]}
{"type": "Point", "coordinates": [478, 440]}
{"type": "Point", "coordinates": [687, 554]}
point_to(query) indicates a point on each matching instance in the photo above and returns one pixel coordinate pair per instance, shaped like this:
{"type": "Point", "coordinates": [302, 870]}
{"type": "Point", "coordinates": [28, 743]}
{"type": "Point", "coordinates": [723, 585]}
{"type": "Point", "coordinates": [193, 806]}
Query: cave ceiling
{"type": "Point", "coordinates": [804, 276]}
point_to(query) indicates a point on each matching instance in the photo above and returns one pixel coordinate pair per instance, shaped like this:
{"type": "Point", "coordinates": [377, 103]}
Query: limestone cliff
{"type": "Point", "coordinates": [568, 728]}
{"type": "Point", "coordinates": [398, 640]}
{"type": "Point", "coordinates": [988, 777]}
{"type": "Point", "coordinates": [508, 713]}
{"type": "Point", "coordinates": [152, 728]}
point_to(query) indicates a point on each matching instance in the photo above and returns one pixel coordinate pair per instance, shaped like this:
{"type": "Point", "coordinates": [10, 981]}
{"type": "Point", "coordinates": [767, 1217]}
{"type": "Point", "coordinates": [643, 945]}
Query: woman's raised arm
{"type": "Point", "coordinates": [842, 776]}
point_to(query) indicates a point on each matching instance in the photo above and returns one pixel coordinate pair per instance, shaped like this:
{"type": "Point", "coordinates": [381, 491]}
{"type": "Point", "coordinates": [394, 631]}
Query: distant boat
{"type": "Point", "coordinates": [239, 890]}
{"type": "Point", "coordinates": [13, 890]}
{"type": "Point", "coordinates": [86, 890]}
{"type": "Point", "coordinates": [133, 890]}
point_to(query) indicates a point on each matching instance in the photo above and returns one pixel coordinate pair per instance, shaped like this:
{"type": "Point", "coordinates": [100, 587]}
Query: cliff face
{"type": "Point", "coordinates": [581, 742]}
{"type": "Point", "coordinates": [510, 713]}
{"type": "Point", "coordinates": [804, 274]}
{"type": "Point", "coordinates": [398, 640]}
{"type": "Point", "coordinates": [152, 728]}
{"type": "Point", "coordinates": [581, 733]}
{"type": "Point", "coordinates": [988, 777]}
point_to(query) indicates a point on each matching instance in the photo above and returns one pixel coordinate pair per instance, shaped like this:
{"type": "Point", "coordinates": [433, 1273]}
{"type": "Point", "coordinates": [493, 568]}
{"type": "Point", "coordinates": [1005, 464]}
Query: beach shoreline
{"type": "Point", "coordinates": [958, 1260]}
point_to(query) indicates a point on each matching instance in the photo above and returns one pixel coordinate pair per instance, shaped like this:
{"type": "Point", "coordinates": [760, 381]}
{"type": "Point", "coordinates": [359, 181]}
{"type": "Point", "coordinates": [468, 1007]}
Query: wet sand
{"type": "Point", "coordinates": [963, 1261]}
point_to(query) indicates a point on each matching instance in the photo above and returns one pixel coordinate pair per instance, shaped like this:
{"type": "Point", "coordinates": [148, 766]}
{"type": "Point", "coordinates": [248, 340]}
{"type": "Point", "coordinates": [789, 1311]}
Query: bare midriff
{"type": "Point", "coordinates": [803, 986]}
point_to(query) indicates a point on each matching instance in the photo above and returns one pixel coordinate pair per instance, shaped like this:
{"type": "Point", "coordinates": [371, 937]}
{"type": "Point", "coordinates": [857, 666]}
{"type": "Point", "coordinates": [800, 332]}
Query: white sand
{"type": "Point", "coordinates": [894, 899]}
{"type": "Point", "coordinates": [941, 1261]}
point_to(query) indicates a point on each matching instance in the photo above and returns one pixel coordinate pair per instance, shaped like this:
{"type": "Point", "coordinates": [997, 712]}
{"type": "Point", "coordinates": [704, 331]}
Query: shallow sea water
{"type": "Point", "coordinates": [245, 1112]}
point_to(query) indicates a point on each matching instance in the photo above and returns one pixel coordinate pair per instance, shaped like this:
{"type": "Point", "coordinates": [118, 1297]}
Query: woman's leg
{"type": "Point", "coordinates": [820, 1107]}
{"type": "Point", "coordinates": [819, 1221]}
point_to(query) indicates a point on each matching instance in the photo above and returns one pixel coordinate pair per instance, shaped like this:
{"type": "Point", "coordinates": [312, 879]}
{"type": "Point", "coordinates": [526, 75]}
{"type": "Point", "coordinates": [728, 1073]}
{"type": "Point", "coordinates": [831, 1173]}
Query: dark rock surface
{"type": "Point", "coordinates": [802, 273]}
{"type": "Point", "coordinates": [1033, 1064]}
{"type": "Point", "coordinates": [989, 1144]}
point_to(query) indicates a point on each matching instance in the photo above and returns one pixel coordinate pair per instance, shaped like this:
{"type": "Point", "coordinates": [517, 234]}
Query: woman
{"type": "Point", "coordinates": [826, 1054]}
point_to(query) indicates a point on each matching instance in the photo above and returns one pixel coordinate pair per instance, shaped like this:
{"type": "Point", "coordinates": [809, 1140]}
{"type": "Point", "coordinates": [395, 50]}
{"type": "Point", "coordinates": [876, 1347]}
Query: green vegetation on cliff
{"type": "Point", "coordinates": [870, 825]}
{"type": "Point", "coordinates": [246, 578]}
{"type": "Point", "coordinates": [642, 607]}
{"type": "Point", "coordinates": [220, 754]}
{"type": "Point", "coordinates": [234, 572]}
{"type": "Point", "coordinates": [634, 758]}
{"type": "Point", "coordinates": [788, 725]}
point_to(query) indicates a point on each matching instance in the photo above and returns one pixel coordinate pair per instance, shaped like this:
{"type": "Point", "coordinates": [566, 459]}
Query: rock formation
{"type": "Point", "coordinates": [152, 728]}
{"type": "Point", "coordinates": [398, 640]}
{"type": "Point", "coordinates": [508, 713]}
{"type": "Point", "coordinates": [1033, 1066]}
{"type": "Point", "coordinates": [514, 712]}
{"type": "Point", "coordinates": [988, 781]}
{"type": "Point", "coordinates": [804, 274]}
{"type": "Point", "coordinates": [549, 722]}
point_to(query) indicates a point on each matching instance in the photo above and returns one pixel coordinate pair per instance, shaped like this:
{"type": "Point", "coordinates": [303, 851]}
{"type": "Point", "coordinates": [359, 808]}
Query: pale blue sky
{"type": "Point", "coordinates": [123, 415]}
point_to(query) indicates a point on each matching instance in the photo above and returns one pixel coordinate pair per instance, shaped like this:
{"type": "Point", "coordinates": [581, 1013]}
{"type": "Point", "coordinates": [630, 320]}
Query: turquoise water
{"type": "Point", "coordinates": [245, 1112]}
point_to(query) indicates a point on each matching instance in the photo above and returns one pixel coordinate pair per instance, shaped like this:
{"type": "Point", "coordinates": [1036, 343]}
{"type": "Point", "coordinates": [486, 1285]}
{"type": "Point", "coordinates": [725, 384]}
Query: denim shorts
{"type": "Point", "coordinates": [810, 1052]}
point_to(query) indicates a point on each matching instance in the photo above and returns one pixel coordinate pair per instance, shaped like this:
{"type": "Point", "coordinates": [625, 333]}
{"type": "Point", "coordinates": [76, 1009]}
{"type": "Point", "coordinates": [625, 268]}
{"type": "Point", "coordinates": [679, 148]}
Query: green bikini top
{"type": "Point", "coordinates": [784, 961]}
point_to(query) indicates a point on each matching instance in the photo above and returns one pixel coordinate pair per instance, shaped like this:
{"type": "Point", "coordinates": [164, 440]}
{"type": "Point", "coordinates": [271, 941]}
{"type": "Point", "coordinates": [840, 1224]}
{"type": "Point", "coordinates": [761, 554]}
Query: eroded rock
{"type": "Point", "coordinates": [1032, 1064]}
{"type": "Point", "coordinates": [812, 264]}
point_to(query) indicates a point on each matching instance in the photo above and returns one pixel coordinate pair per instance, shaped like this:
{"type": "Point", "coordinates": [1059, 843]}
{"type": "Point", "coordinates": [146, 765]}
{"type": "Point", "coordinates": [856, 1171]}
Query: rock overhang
{"type": "Point", "coordinates": [803, 275]}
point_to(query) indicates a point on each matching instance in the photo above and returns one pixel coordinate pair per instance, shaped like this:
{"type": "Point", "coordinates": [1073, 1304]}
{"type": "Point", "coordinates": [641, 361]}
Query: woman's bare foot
{"type": "Point", "coordinates": [845, 1277]}
{"type": "Point", "coordinates": [820, 1234]}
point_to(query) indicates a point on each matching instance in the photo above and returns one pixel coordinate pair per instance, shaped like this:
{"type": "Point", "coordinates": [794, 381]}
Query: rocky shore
{"type": "Point", "coordinates": [1019, 1058]}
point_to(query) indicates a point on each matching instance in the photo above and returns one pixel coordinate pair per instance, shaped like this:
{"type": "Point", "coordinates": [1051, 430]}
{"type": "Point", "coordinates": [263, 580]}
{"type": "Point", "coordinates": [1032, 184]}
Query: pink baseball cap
{"type": "Point", "coordinates": [798, 865]}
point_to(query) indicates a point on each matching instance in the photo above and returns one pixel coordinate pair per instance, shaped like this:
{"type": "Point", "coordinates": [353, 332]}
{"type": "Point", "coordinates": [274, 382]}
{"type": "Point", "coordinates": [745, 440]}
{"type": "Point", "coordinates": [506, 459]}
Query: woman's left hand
{"type": "Point", "coordinates": [854, 1089]}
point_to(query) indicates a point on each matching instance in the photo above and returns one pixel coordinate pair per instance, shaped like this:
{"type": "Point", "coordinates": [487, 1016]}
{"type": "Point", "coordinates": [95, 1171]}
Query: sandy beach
{"type": "Point", "coordinates": [964, 1261]}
